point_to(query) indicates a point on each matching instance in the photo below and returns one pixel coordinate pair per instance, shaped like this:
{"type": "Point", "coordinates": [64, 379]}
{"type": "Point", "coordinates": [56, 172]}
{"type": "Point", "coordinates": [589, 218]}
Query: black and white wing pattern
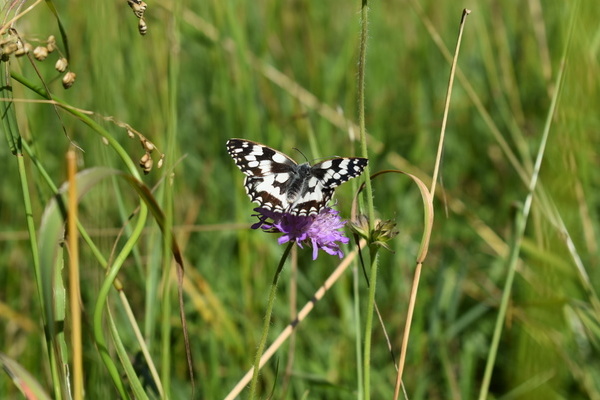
{"type": "Point", "coordinates": [276, 182]}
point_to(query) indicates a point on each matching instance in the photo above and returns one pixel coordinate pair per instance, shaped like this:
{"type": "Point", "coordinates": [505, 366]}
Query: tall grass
{"type": "Point", "coordinates": [285, 74]}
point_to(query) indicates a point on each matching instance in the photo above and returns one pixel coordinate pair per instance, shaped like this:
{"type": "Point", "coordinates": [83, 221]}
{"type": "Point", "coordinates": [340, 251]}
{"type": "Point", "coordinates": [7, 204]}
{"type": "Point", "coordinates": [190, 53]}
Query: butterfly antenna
{"type": "Point", "coordinates": [303, 155]}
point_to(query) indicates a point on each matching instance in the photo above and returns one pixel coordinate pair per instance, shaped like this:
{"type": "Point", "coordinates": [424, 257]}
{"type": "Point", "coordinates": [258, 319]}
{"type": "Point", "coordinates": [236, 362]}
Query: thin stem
{"type": "Point", "coordinates": [74, 290]}
{"type": "Point", "coordinates": [415, 285]}
{"type": "Point", "coordinates": [267, 322]}
{"type": "Point", "coordinates": [362, 59]}
{"type": "Point", "coordinates": [447, 103]}
{"type": "Point", "coordinates": [359, 356]}
{"type": "Point", "coordinates": [369, 322]}
{"type": "Point", "coordinates": [411, 308]}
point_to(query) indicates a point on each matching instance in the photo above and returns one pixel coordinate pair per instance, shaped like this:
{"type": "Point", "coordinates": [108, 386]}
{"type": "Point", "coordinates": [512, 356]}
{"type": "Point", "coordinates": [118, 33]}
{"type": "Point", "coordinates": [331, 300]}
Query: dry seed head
{"type": "Point", "coordinates": [7, 39]}
{"type": "Point", "coordinates": [10, 48]}
{"type": "Point", "coordinates": [148, 166]}
{"type": "Point", "coordinates": [138, 7]}
{"type": "Point", "coordinates": [148, 145]}
{"type": "Point", "coordinates": [69, 79]}
{"type": "Point", "coordinates": [51, 45]}
{"type": "Point", "coordinates": [144, 159]}
{"type": "Point", "coordinates": [142, 27]}
{"type": "Point", "coordinates": [25, 49]}
{"type": "Point", "coordinates": [61, 64]}
{"type": "Point", "coordinates": [40, 53]}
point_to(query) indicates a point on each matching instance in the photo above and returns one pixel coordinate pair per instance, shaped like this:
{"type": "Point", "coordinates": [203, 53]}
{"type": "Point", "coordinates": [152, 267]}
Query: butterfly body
{"type": "Point", "coordinates": [278, 183]}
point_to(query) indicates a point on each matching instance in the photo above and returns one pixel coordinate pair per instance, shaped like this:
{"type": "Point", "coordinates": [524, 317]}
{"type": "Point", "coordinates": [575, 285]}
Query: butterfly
{"type": "Point", "coordinates": [276, 182]}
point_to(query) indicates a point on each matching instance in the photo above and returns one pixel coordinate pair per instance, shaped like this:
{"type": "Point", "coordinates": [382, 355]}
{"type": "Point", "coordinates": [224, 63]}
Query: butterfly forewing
{"type": "Point", "coordinates": [255, 159]}
{"type": "Point", "coordinates": [278, 183]}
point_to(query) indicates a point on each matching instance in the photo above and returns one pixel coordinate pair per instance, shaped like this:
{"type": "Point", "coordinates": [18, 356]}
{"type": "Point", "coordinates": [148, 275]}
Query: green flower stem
{"type": "Point", "coordinates": [267, 323]}
{"type": "Point", "coordinates": [359, 356]}
{"type": "Point", "coordinates": [362, 58]}
{"type": "Point", "coordinates": [369, 321]}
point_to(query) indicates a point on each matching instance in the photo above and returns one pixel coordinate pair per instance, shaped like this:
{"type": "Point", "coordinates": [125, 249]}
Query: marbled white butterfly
{"type": "Point", "coordinates": [276, 182]}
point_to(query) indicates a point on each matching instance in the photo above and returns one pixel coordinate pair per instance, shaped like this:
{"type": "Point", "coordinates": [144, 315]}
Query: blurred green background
{"type": "Point", "coordinates": [284, 73]}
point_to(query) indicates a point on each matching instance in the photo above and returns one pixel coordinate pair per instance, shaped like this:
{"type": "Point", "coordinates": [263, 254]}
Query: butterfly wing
{"type": "Point", "coordinates": [324, 178]}
{"type": "Point", "coordinates": [268, 173]}
{"type": "Point", "coordinates": [276, 182]}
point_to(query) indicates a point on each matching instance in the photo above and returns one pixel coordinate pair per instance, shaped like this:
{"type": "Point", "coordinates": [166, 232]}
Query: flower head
{"type": "Point", "coordinates": [320, 231]}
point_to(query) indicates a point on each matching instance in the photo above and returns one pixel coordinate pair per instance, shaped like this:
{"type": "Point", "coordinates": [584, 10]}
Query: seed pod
{"type": "Point", "coordinates": [51, 44]}
{"type": "Point", "coordinates": [61, 64]}
{"type": "Point", "coordinates": [10, 48]}
{"type": "Point", "coordinates": [144, 159]}
{"type": "Point", "coordinates": [69, 79]}
{"type": "Point", "coordinates": [161, 161]}
{"type": "Point", "coordinates": [148, 145]}
{"type": "Point", "coordinates": [23, 49]}
{"type": "Point", "coordinates": [130, 133]}
{"type": "Point", "coordinates": [148, 166]}
{"type": "Point", "coordinates": [105, 141]}
{"type": "Point", "coordinates": [40, 53]}
{"type": "Point", "coordinates": [142, 27]}
{"type": "Point", "coordinates": [138, 7]}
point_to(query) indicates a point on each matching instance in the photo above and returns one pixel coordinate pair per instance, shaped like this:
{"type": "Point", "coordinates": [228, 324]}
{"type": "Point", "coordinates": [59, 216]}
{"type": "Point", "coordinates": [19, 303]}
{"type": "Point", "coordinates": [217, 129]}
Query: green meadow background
{"type": "Point", "coordinates": [284, 73]}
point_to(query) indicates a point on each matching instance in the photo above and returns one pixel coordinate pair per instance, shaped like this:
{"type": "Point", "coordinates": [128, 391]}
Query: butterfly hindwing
{"type": "Point", "coordinates": [336, 171]}
{"type": "Point", "coordinates": [276, 182]}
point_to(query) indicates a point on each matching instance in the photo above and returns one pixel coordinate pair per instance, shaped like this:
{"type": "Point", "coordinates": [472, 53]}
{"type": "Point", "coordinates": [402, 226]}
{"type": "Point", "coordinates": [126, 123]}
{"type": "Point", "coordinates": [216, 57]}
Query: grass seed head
{"type": "Point", "coordinates": [144, 158]}
{"type": "Point", "coordinates": [61, 64]}
{"type": "Point", "coordinates": [51, 43]}
{"type": "Point", "coordinates": [40, 53]}
{"type": "Point", "coordinates": [138, 7]}
{"type": "Point", "coordinates": [69, 79]}
{"type": "Point", "coordinates": [9, 48]}
{"type": "Point", "coordinates": [148, 146]}
{"type": "Point", "coordinates": [23, 49]}
{"type": "Point", "coordinates": [142, 27]}
{"type": "Point", "coordinates": [148, 165]}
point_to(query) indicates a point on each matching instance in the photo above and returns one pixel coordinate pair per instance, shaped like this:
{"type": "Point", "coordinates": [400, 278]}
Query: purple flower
{"type": "Point", "coordinates": [320, 231]}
